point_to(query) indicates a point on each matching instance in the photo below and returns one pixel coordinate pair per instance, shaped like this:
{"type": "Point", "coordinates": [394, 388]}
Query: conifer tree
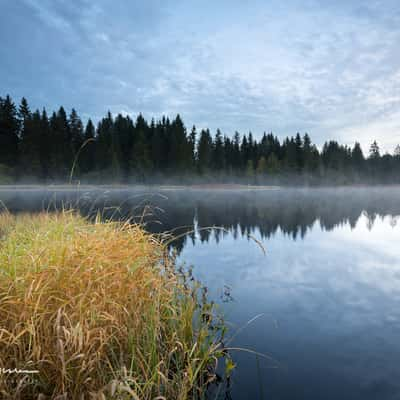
{"type": "Point", "coordinates": [89, 151]}
{"type": "Point", "coordinates": [45, 145]}
{"type": "Point", "coordinates": [24, 112]}
{"type": "Point", "coordinates": [357, 156]}
{"type": "Point", "coordinates": [204, 151]}
{"type": "Point", "coordinates": [374, 152]}
{"type": "Point", "coordinates": [76, 132]}
{"type": "Point", "coordinates": [192, 147]}
{"type": "Point", "coordinates": [218, 156]}
{"type": "Point", "coordinates": [9, 132]}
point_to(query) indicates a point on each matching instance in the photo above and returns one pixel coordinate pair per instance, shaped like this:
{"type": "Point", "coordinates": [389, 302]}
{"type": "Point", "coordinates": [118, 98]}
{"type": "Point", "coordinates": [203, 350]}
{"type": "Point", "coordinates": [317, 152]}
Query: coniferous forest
{"type": "Point", "coordinates": [41, 147]}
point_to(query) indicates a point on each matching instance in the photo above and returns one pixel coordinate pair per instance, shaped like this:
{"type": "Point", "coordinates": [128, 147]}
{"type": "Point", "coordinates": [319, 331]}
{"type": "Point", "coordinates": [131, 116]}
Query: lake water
{"type": "Point", "coordinates": [324, 298]}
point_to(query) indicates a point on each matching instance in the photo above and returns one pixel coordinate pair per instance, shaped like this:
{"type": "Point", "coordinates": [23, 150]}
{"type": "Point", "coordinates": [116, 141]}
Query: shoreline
{"type": "Point", "coordinates": [66, 187]}
{"type": "Point", "coordinates": [195, 187]}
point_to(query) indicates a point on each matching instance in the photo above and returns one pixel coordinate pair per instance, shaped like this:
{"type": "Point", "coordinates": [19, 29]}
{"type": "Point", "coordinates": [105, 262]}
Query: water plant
{"type": "Point", "coordinates": [98, 310]}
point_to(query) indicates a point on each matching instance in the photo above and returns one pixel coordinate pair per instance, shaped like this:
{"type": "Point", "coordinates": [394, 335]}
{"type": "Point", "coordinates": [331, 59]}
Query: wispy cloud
{"type": "Point", "coordinates": [331, 68]}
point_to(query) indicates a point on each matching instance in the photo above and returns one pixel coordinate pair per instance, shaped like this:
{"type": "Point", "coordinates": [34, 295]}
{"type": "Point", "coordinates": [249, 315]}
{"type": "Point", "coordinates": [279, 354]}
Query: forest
{"type": "Point", "coordinates": [37, 147]}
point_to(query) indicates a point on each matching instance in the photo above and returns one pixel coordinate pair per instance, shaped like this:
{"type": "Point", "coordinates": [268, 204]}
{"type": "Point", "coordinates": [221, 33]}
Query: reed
{"type": "Point", "coordinates": [100, 310]}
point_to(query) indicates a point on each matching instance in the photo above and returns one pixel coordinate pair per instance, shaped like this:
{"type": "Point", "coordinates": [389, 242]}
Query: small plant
{"type": "Point", "coordinates": [100, 311]}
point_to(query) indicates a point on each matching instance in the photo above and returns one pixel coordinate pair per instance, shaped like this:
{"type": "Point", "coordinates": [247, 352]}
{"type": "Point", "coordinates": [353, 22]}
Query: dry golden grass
{"type": "Point", "coordinates": [100, 311]}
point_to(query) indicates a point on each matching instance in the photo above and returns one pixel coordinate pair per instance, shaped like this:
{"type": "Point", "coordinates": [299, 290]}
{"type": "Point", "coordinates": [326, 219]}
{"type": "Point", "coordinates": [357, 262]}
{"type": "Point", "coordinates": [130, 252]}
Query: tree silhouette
{"type": "Point", "coordinates": [125, 149]}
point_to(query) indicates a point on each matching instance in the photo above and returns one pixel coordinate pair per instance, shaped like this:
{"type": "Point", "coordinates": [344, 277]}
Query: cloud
{"type": "Point", "coordinates": [327, 67]}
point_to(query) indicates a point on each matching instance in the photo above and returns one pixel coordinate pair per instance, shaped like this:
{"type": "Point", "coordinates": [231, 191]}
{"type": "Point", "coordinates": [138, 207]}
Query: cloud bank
{"type": "Point", "coordinates": [330, 68]}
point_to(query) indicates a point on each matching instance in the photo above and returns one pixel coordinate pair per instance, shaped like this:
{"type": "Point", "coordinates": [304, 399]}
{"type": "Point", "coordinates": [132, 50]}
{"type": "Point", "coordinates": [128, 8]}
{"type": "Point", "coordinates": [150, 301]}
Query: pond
{"type": "Point", "coordinates": [309, 279]}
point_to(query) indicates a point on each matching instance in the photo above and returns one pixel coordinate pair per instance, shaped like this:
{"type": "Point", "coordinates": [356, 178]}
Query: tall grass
{"type": "Point", "coordinates": [101, 312]}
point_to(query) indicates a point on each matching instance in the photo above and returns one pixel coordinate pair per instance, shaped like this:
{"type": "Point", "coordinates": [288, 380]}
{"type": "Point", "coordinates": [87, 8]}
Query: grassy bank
{"type": "Point", "coordinates": [100, 311]}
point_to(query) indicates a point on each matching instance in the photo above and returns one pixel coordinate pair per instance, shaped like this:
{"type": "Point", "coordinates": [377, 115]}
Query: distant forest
{"type": "Point", "coordinates": [36, 147]}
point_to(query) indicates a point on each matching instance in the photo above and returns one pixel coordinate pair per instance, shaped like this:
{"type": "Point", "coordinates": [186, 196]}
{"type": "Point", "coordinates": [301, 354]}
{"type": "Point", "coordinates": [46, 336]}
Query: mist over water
{"type": "Point", "coordinates": [326, 291]}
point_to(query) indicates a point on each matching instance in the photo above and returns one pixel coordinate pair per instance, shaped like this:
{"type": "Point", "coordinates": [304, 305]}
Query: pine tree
{"type": "Point", "coordinates": [24, 112]}
{"type": "Point", "coordinates": [179, 157]}
{"type": "Point", "coordinates": [140, 162]}
{"type": "Point", "coordinates": [374, 152]}
{"type": "Point", "coordinates": [104, 144]}
{"type": "Point", "coordinates": [357, 156]}
{"type": "Point", "coordinates": [299, 152]}
{"type": "Point", "coordinates": [124, 132]}
{"type": "Point", "coordinates": [61, 152]}
{"type": "Point", "coordinates": [204, 151]}
{"type": "Point", "coordinates": [89, 151]}
{"type": "Point", "coordinates": [192, 147]}
{"type": "Point", "coordinates": [45, 145]}
{"type": "Point", "coordinates": [236, 153]}
{"type": "Point", "coordinates": [218, 156]}
{"type": "Point", "coordinates": [76, 132]}
{"type": "Point", "coordinates": [27, 144]}
{"type": "Point", "coordinates": [30, 151]}
{"type": "Point", "coordinates": [157, 147]}
{"type": "Point", "coordinates": [290, 154]}
{"type": "Point", "coordinates": [9, 131]}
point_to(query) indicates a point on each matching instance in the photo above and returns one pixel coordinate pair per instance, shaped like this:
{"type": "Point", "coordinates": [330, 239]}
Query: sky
{"type": "Point", "coordinates": [327, 67]}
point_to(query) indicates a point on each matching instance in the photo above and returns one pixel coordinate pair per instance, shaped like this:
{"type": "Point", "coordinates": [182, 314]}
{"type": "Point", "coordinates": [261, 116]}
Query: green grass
{"type": "Point", "coordinates": [101, 311]}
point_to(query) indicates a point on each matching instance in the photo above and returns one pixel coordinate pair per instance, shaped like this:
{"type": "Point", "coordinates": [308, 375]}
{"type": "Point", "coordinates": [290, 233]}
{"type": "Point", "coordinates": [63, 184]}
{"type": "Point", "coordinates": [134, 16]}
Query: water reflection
{"type": "Point", "coordinates": [293, 212]}
{"type": "Point", "coordinates": [328, 287]}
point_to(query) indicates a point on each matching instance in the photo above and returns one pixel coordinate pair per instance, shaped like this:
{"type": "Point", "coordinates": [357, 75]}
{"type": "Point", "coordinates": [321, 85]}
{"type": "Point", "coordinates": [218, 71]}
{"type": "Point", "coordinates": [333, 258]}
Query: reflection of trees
{"type": "Point", "coordinates": [292, 211]}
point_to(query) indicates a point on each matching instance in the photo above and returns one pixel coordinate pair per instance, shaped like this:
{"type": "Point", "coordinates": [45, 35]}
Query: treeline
{"type": "Point", "coordinates": [38, 147]}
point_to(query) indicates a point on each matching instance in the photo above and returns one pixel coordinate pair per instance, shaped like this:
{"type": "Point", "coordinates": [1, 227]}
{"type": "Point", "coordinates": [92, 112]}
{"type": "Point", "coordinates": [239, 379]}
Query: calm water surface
{"type": "Point", "coordinates": [326, 293]}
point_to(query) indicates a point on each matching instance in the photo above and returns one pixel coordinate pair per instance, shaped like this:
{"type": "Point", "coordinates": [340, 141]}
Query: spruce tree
{"type": "Point", "coordinates": [9, 133]}
{"type": "Point", "coordinates": [89, 151]}
{"type": "Point", "coordinates": [45, 145]}
{"type": "Point", "coordinates": [204, 151]}
{"type": "Point", "coordinates": [30, 161]}
{"type": "Point", "coordinates": [76, 132]}
{"type": "Point", "coordinates": [374, 152]}
{"type": "Point", "coordinates": [218, 156]}
{"type": "Point", "coordinates": [192, 147]}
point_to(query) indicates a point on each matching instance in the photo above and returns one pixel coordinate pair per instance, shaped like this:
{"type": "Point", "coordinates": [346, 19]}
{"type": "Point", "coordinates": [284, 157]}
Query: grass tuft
{"type": "Point", "coordinates": [101, 312]}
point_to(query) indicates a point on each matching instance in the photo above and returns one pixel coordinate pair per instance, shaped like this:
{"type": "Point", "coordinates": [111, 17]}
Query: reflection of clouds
{"type": "Point", "coordinates": [342, 279]}
{"type": "Point", "coordinates": [330, 300]}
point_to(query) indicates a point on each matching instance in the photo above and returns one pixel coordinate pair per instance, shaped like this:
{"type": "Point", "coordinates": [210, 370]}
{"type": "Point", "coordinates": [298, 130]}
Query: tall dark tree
{"type": "Point", "coordinates": [140, 162]}
{"type": "Point", "coordinates": [158, 147]}
{"type": "Point", "coordinates": [179, 155]}
{"type": "Point", "coordinates": [204, 151]}
{"type": "Point", "coordinates": [374, 152]}
{"type": "Point", "coordinates": [30, 146]}
{"type": "Point", "coordinates": [24, 112]}
{"type": "Point", "coordinates": [218, 156]}
{"type": "Point", "coordinates": [192, 141]}
{"type": "Point", "coordinates": [357, 156]}
{"type": "Point", "coordinates": [88, 153]}
{"type": "Point", "coordinates": [236, 154]}
{"type": "Point", "coordinates": [299, 152]}
{"type": "Point", "coordinates": [61, 152]}
{"type": "Point", "coordinates": [9, 131]}
{"type": "Point", "coordinates": [76, 132]}
{"type": "Point", "coordinates": [45, 145]}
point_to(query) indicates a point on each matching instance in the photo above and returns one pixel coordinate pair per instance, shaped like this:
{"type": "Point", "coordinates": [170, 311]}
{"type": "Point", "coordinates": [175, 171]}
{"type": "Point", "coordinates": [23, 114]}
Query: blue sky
{"type": "Point", "coordinates": [331, 68]}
